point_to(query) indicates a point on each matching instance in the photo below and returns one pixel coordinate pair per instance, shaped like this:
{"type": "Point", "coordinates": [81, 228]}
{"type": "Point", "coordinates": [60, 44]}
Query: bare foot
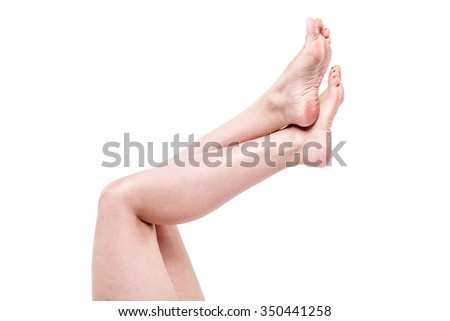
{"type": "Point", "coordinates": [298, 86]}
{"type": "Point", "coordinates": [314, 138]}
{"type": "Point", "coordinates": [331, 99]}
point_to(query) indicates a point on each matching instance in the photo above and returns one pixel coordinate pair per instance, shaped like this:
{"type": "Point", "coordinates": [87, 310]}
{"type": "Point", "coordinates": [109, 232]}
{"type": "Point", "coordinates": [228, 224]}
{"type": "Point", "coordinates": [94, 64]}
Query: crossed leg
{"type": "Point", "coordinates": [138, 253]}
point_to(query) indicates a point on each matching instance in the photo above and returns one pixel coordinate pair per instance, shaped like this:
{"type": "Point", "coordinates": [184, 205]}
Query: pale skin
{"type": "Point", "coordinates": [138, 251]}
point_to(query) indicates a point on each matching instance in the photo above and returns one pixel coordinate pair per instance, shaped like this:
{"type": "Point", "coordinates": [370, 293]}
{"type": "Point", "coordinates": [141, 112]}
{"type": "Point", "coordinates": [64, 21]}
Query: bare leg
{"type": "Point", "coordinates": [283, 103]}
{"type": "Point", "coordinates": [134, 259]}
{"type": "Point", "coordinates": [127, 260]}
{"type": "Point", "coordinates": [127, 263]}
{"type": "Point", "coordinates": [171, 245]}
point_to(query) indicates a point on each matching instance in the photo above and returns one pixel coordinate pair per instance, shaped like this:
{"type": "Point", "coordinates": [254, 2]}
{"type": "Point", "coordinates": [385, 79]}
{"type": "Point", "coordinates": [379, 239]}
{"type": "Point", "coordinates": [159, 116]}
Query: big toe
{"type": "Point", "coordinates": [312, 30]}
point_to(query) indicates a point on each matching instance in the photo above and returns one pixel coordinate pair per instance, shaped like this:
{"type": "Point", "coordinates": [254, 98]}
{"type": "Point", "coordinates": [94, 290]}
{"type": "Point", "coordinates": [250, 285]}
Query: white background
{"type": "Point", "coordinates": [371, 239]}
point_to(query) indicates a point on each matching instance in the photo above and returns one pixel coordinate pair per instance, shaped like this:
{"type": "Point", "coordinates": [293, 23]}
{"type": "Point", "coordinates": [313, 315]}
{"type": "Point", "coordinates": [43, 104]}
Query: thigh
{"type": "Point", "coordinates": [127, 262]}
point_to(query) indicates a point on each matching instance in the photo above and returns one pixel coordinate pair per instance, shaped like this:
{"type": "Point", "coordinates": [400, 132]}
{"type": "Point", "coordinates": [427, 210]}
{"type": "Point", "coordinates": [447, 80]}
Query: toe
{"type": "Point", "coordinates": [334, 77]}
{"type": "Point", "coordinates": [312, 30]}
{"type": "Point", "coordinates": [326, 33]}
{"type": "Point", "coordinates": [320, 25]}
{"type": "Point", "coordinates": [338, 68]}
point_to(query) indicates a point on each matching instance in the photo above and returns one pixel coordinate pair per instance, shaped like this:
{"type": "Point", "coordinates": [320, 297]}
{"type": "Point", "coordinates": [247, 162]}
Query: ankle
{"type": "Point", "coordinates": [274, 102]}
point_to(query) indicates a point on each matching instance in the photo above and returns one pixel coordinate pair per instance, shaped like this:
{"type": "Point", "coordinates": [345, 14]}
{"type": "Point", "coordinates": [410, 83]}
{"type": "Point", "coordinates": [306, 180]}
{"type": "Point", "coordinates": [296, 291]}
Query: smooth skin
{"type": "Point", "coordinates": [138, 252]}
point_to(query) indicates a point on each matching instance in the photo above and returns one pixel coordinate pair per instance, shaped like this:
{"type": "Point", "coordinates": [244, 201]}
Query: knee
{"type": "Point", "coordinates": [114, 196]}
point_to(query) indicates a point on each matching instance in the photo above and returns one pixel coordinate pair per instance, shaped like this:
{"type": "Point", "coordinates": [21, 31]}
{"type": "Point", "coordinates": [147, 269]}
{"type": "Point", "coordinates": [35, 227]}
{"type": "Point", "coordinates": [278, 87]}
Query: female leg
{"type": "Point", "coordinates": [133, 256]}
{"type": "Point", "coordinates": [279, 106]}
